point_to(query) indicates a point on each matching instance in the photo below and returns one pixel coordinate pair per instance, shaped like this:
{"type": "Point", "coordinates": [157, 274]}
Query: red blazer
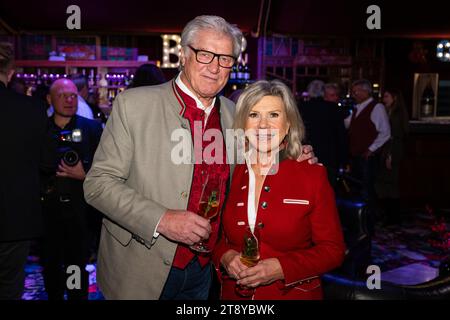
{"type": "Point", "coordinates": [298, 224]}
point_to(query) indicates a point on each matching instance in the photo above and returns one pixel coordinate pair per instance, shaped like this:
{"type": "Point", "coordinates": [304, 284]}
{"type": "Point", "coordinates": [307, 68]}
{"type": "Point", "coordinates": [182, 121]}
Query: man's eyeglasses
{"type": "Point", "coordinates": [206, 57]}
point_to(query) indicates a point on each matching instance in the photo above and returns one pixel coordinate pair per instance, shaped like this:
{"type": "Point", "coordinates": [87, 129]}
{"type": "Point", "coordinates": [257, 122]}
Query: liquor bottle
{"type": "Point", "coordinates": [246, 72]}
{"type": "Point", "coordinates": [91, 81]}
{"type": "Point", "coordinates": [427, 102]}
{"type": "Point", "coordinates": [127, 78]}
{"type": "Point", "coordinates": [103, 90]}
{"type": "Point", "coordinates": [240, 72]}
{"type": "Point", "coordinates": [38, 77]}
{"type": "Point", "coordinates": [233, 73]}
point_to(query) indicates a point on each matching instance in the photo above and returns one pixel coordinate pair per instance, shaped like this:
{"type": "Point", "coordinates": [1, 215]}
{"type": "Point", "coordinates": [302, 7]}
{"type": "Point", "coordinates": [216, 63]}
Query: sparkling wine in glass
{"type": "Point", "coordinates": [208, 207]}
{"type": "Point", "coordinates": [250, 249]}
{"type": "Point", "coordinates": [250, 257]}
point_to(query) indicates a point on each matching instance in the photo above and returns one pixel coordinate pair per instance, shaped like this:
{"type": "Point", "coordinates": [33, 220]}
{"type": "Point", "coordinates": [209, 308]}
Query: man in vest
{"type": "Point", "coordinates": [150, 198]}
{"type": "Point", "coordinates": [368, 129]}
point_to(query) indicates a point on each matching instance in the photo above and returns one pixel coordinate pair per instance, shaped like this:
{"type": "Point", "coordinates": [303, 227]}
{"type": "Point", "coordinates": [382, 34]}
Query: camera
{"type": "Point", "coordinates": [66, 150]}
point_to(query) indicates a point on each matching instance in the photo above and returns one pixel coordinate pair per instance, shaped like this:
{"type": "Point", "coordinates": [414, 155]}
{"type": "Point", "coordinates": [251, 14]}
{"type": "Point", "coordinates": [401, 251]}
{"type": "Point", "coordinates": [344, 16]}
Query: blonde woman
{"type": "Point", "coordinates": [288, 205]}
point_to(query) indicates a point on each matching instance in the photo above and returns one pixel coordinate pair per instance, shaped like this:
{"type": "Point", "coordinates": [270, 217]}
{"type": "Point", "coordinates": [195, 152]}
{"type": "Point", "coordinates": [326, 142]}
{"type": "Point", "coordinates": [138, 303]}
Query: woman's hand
{"type": "Point", "coordinates": [232, 263]}
{"type": "Point", "coordinates": [265, 272]}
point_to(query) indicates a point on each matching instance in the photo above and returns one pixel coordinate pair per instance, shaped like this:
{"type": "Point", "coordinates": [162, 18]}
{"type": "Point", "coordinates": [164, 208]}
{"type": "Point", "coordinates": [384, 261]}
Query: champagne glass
{"type": "Point", "coordinates": [249, 256]}
{"type": "Point", "coordinates": [208, 206]}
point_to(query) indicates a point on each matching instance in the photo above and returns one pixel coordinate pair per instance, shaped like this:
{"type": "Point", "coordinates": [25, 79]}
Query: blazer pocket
{"type": "Point", "coordinates": [296, 201]}
{"type": "Point", "coordinates": [117, 232]}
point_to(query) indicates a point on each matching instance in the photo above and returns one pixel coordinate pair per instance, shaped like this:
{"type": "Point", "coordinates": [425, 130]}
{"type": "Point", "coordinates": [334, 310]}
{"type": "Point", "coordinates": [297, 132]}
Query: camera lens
{"type": "Point", "coordinates": [71, 158]}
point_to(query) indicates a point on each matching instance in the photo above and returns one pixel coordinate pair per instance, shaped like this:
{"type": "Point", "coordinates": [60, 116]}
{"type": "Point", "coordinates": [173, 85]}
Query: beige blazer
{"type": "Point", "coordinates": [133, 182]}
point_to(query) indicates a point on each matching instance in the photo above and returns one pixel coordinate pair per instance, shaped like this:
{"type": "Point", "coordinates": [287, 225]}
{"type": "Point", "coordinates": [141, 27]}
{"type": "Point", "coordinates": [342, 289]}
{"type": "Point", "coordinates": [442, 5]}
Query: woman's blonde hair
{"type": "Point", "coordinates": [254, 93]}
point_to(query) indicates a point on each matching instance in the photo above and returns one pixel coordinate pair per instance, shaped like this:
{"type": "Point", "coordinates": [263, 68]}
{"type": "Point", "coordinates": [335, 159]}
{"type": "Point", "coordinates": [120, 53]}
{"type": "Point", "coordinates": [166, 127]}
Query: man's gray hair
{"type": "Point", "coordinates": [333, 86]}
{"type": "Point", "coordinates": [80, 81]}
{"type": "Point", "coordinates": [214, 23]}
{"type": "Point", "coordinates": [316, 89]}
{"type": "Point", "coordinates": [364, 84]}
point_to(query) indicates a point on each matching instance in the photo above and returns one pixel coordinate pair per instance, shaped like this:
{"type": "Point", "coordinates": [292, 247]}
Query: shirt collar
{"type": "Point", "coordinates": [281, 156]}
{"type": "Point", "coordinates": [364, 103]}
{"type": "Point", "coordinates": [82, 99]}
{"type": "Point", "coordinates": [185, 89]}
{"type": "Point", "coordinates": [69, 126]}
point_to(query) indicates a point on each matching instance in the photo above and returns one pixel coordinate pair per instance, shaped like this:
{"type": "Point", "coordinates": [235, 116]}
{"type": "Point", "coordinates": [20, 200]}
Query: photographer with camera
{"type": "Point", "coordinates": [66, 230]}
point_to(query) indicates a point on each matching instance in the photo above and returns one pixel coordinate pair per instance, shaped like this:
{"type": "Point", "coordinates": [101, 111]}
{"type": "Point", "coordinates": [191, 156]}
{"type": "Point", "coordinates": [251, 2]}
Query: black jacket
{"type": "Point", "coordinates": [25, 149]}
{"type": "Point", "coordinates": [325, 131]}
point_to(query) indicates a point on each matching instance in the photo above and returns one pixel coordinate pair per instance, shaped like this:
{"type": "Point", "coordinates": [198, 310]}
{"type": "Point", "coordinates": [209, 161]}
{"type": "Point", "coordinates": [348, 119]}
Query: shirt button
{"type": "Point", "coordinates": [266, 188]}
{"type": "Point", "coordinates": [167, 262]}
{"type": "Point", "coordinates": [260, 225]}
{"type": "Point", "coordinates": [184, 195]}
{"type": "Point", "coordinates": [264, 205]}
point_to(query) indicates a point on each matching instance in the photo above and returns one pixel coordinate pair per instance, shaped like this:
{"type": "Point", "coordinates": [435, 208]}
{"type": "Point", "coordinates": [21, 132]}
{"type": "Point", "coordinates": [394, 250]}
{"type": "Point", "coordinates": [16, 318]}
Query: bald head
{"type": "Point", "coordinates": [63, 84]}
{"type": "Point", "coordinates": [64, 97]}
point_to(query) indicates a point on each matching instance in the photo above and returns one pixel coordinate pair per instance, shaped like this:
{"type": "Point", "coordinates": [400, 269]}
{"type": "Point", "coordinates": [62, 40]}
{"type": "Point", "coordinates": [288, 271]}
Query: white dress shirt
{"type": "Point", "coordinates": [200, 105]}
{"type": "Point", "coordinates": [380, 119]}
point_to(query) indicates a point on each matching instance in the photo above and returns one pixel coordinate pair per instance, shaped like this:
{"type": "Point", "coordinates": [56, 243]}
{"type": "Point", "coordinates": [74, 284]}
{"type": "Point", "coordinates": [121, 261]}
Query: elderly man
{"type": "Point", "coordinates": [65, 238]}
{"type": "Point", "coordinates": [149, 199]}
{"type": "Point", "coordinates": [369, 129]}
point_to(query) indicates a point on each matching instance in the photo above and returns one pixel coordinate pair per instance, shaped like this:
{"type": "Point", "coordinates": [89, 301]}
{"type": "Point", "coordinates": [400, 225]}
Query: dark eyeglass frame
{"type": "Point", "coordinates": [214, 55]}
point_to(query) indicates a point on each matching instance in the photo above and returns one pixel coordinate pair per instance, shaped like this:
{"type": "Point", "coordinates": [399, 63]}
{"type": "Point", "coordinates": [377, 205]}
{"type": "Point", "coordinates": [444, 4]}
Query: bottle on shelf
{"type": "Point", "coordinates": [427, 102]}
{"type": "Point", "coordinates": [127, 78]}
{"type": "Point", "coordinates": [240, 72]}
{"type": "Point", "coordinates": [38, 77]}
{"type": "Point", "coordinates": [233, 72]}
{"type": "Point", "coordinates": [91, 81]}
{"type": "Point", "coordinates": [246, 73]}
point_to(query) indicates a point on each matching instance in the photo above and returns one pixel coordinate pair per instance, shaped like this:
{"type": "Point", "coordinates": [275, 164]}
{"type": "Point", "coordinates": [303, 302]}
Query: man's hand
{"type": "Point", "coordinates": [389, 162]}
{"type": "Point", "coordinates": [184, 226]}
{"type": "Point", "coordinates": [265, 272]}
{"type": "Point", "coordinates": [76, 172]}
{"type": "Point", "coordinates": [308, 154]}
{"type": "Point", "coordinates": [367, 154]}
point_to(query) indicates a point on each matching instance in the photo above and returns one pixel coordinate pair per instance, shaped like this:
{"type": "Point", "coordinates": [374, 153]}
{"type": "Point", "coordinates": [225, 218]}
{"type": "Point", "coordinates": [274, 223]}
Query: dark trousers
{"type": "Point", "coordinates": [65, 244]}
{"type": "Point", "coordinates": [366, 171]}
{"type": "Point", "coordinates": [13, 257]}
{"type": "Point", "coordinates": [191, 283]}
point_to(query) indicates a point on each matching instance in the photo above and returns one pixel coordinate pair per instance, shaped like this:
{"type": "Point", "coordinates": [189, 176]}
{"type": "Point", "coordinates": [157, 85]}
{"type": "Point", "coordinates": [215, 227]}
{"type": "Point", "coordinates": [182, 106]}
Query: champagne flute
{"type": "Point", "coordinates": [208, 207]}
{"type": "Point", "coordinates": [249, 256]}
